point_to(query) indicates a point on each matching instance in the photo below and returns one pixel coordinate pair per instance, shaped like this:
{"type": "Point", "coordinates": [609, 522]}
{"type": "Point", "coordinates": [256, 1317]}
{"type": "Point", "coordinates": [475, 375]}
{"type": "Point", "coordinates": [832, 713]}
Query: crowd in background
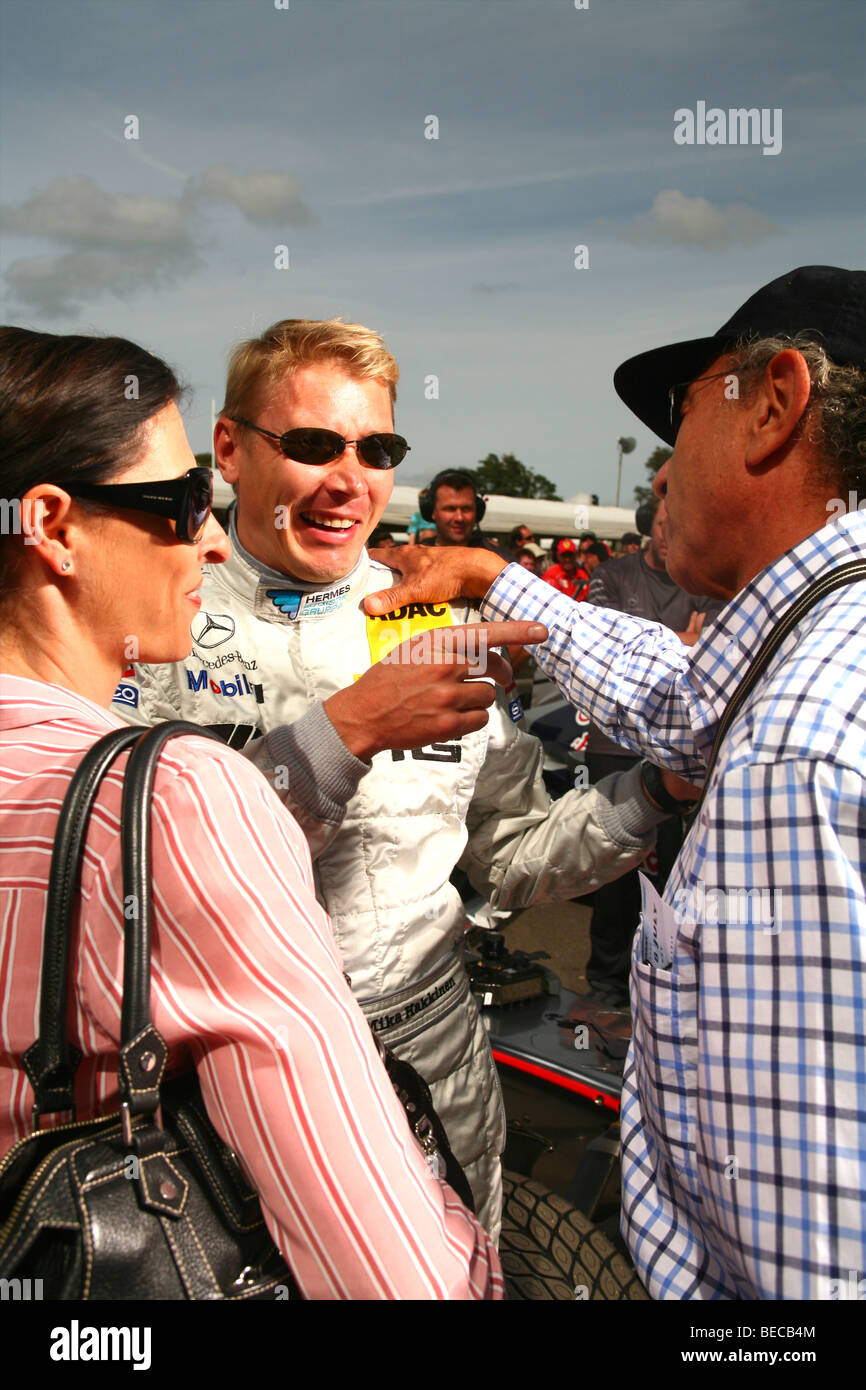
{"type": "Point", "coordinates": [451, 515]}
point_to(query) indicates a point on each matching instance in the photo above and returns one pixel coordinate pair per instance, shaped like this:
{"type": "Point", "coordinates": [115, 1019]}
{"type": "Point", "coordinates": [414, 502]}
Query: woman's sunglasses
{"type": "Point", "coordinates": [186, 501]}
{"type": "Point", "coordinates": [323, 446]}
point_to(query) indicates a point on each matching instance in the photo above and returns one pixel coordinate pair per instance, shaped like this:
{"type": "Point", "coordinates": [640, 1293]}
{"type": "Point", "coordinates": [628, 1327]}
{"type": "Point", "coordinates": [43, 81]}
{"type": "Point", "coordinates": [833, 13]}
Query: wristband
{"type": "Point", "coordinates": [651, 778]}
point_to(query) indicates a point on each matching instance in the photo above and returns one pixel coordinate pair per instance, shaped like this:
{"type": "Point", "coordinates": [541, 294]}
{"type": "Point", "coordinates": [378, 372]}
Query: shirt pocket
{"type": "Point", "coordinates": [664, 1006]}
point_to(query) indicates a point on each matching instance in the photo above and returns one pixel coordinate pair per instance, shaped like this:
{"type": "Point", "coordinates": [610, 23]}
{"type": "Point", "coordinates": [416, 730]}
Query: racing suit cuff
{"type": "Point", "coordinates": [625, 813]}
{"type": "Point", "coordinates": [323, 774]}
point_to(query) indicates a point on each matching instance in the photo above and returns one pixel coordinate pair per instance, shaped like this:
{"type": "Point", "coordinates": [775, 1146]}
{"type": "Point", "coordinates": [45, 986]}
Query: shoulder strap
{"type": "Point", "coordinates": [50, 1062]}
{"type": "Point", "coordinates": [137, 887]}
{"type": "Point", "coordinates": [845, 574]}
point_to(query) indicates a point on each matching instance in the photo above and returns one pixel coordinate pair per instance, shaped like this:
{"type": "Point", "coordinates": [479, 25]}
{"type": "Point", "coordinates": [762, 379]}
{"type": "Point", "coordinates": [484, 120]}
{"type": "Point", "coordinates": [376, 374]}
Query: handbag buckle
{"type": "Point", "coordinates": [126, 1123]}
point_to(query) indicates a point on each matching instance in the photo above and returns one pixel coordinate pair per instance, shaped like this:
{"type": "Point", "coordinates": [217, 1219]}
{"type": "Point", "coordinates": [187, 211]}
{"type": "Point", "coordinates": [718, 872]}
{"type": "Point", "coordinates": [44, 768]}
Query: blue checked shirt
{"type": "Point", "coordinates": [744, 1097]}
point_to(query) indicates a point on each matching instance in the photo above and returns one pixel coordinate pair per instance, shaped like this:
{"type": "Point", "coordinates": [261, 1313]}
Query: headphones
{"type": "Point", "coordinates": [644, 517]}
{"type": "Point", "coordinates": [427, 497]}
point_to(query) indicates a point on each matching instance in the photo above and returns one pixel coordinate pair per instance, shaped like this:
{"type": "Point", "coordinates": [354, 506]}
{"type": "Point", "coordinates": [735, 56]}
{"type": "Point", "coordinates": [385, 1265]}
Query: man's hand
{"type": "Point", "coordinates": [518, 656]}
{"type": "Point", "coordinates": [430, 573]}
{"type": "Point", "coordinates": [404, 702]}
{"type": "Point", "coordinates": [693, 631]}
{"type": "Point", "coordinates": [678, 787]}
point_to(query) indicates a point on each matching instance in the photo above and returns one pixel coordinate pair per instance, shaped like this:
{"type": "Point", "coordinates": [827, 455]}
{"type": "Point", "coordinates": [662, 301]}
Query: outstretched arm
{"type": "Point", "coordinates": [524, 848]}
{"type": "Point", "coordinates": [632, 677]}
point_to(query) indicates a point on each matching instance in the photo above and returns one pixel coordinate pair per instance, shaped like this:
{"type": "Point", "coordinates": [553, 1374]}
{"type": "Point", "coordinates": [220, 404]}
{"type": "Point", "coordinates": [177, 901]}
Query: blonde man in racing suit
{"type": "Point", "coordinates": [286, 665]}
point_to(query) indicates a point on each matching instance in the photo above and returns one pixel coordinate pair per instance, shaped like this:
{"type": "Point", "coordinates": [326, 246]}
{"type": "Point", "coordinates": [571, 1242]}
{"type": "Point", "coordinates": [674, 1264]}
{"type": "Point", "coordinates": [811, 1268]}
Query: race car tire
{"type": "Point", "coordinates": [550, 1251]}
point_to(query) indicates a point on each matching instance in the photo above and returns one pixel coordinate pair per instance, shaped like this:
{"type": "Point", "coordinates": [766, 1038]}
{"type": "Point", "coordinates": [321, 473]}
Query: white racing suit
{"type": "Point", "coordinates": [266, 650]}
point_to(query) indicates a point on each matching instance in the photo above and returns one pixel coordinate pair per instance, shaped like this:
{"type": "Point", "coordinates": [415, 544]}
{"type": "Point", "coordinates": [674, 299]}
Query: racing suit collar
{"type": "Point", "coordinates": [277, 597]}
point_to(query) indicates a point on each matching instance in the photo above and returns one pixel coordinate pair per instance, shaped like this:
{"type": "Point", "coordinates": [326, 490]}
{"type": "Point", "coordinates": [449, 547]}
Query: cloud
{"type": "Point", "coordinates": [685, 221]}
{"type": "Point", "coordinates": [77, 210]}
{"type": "Point", "coordinates": [261, 196]}
{"type": "Point", "coordinates": [124, 244]}
{"type": "Point", "coordinates": [58, 285]}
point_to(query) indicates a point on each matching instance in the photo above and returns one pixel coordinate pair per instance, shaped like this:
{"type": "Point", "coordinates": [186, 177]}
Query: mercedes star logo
{"type": "Point", "coordinates": [212, 629]}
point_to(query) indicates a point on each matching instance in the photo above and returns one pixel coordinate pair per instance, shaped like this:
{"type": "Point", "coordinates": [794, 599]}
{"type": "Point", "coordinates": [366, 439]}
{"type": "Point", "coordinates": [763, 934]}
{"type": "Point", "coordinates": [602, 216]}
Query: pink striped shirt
{"type": "Point", "coordinates": [247, 982]}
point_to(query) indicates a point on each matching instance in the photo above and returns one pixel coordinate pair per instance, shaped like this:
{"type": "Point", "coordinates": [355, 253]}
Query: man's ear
{"type": "Point", "coordinates": [781, 400]}
{"type": "Point", "coordinates": [225, 448]}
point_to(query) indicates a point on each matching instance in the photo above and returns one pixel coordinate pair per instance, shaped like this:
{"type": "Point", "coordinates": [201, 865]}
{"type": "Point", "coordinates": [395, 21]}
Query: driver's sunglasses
{"type": "Point", "coordinates": [186, 501]}
{"type": "Point", "coordinates": [678, 393]}
{"type": "Point", "coordinates": [309, 445]}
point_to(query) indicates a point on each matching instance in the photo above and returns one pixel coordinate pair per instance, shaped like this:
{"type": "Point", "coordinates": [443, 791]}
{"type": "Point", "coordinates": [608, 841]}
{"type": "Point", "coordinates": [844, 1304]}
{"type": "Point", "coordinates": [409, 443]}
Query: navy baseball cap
{"type": "Point", "coordinates": [823, 301]}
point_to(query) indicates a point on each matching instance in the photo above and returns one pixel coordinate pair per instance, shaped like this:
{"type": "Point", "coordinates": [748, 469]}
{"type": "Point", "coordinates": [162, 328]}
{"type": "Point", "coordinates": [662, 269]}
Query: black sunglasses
{"type": "Point", "coordinates": [186, 501]}
{"type": "Point", "coordinates": [323, 446]}
{"type": "Point", "coordinates": [678, 393]}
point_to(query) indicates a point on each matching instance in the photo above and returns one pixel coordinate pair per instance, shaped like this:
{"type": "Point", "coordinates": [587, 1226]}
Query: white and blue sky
{"type": "Point", "coordinates": [304, 126]}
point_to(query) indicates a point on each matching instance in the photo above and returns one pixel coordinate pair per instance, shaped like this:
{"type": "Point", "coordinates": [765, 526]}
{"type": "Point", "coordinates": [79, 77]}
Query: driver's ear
{"type": "Point", "coordinates": [226, 448]}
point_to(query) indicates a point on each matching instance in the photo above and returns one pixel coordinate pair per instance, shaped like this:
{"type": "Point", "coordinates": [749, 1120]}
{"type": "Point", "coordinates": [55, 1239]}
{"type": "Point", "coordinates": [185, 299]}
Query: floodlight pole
{"type": "Point", "coordinates": [625, 444]}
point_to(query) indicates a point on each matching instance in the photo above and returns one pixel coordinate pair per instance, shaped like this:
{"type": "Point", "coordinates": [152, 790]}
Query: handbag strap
{"type": "Point", "coordinates": [844, 574]}
{"type": "Point", "coordinates": [51, 1062]}
{"type": "Point", "coordinates": [137, 888]}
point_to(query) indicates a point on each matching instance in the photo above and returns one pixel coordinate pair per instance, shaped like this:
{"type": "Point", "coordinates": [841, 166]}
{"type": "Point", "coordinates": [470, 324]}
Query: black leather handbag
{"type": "Point", "coordinates": [147, 1203]}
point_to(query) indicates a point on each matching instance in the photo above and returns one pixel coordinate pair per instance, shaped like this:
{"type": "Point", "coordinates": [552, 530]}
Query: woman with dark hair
{"type": "Point", "coordinates": [110, 527]}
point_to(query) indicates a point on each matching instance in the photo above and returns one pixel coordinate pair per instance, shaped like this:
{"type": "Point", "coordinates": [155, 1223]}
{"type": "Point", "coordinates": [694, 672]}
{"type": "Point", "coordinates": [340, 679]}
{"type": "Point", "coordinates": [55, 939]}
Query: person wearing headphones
{"type": "Point", "coordinates": [454, 506]}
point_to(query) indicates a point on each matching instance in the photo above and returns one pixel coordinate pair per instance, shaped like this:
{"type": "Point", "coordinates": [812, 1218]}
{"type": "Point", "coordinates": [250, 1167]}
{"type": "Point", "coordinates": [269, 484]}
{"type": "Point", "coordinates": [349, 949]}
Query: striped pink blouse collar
{"type": "Point", "coordinates": [25, 702]}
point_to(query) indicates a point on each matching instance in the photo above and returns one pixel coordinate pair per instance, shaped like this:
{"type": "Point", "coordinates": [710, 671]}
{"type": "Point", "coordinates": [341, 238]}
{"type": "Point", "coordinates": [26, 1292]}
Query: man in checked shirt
{"type": "Point", "coordinates": [743, 1124]}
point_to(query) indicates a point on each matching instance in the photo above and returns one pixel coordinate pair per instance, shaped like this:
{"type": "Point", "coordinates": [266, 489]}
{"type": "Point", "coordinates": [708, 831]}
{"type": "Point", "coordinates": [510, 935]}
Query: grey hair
{"type": "Point", "coordinates": [835, 420]}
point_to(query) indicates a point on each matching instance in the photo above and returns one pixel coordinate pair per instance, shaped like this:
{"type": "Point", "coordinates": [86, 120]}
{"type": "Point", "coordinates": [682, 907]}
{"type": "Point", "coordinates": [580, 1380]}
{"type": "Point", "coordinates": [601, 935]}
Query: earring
{"type": "Point", "coordinates": [67, 565]}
